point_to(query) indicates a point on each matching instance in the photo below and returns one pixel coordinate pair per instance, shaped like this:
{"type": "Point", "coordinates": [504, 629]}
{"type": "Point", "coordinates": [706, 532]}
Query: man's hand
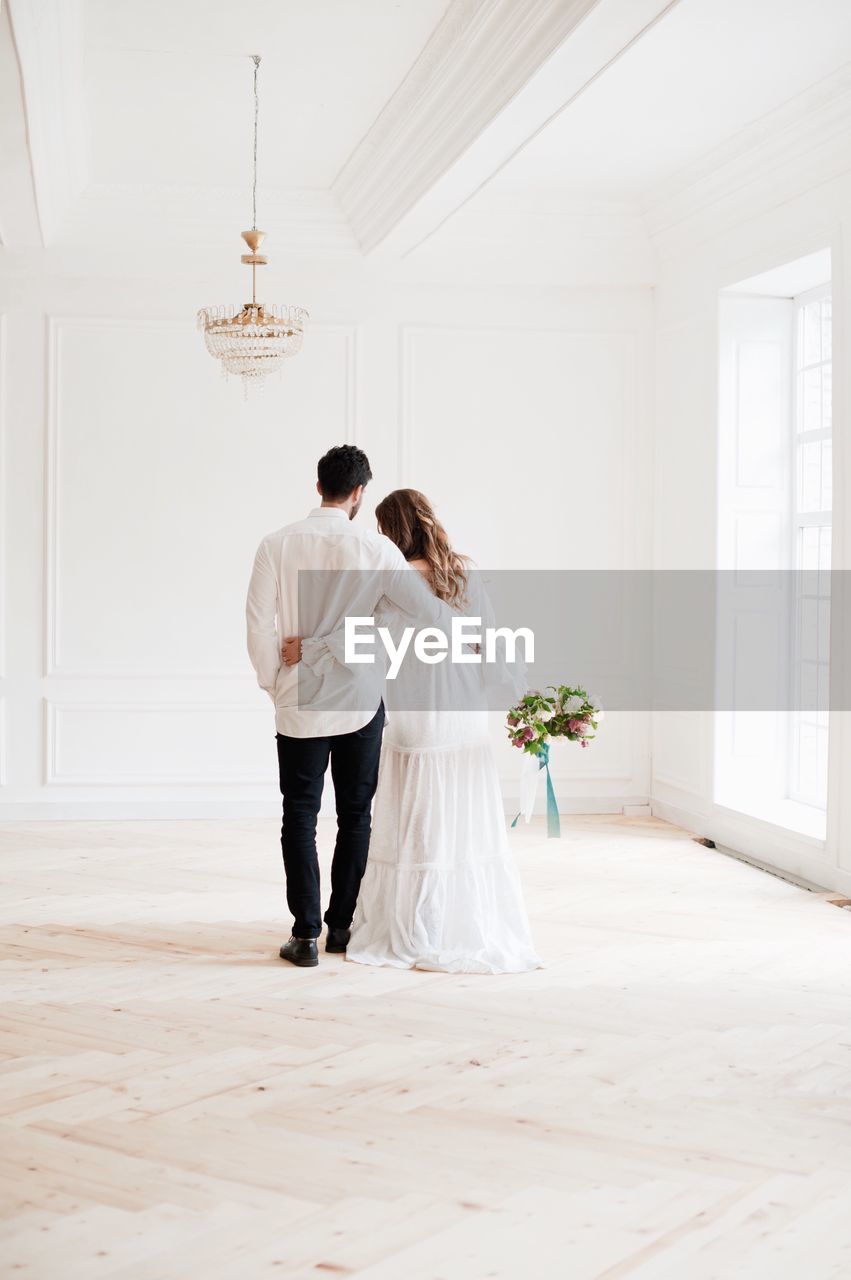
{"type": "Point", "coordinates": [291, 651]}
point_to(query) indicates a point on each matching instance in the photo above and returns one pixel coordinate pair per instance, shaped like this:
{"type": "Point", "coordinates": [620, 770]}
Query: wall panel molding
{"type": "Point", "coordinates": [94, 742]}
{"type": "Point", "coordinates": [59, 325]}
{"type": "Point", "coordinates": [632, 416]}
{"type": "Point", "coordinates": [352, 336]}
{"type": "Point", "coordinates": [676, 782]}
{"type": "Point", "coordinates": [56, 326]}
{"type": "Point", "coordinates": [624, 768]}
{"type": "Point", "coordinates": [678, 757]}
{"type": "Point", "coordinates": [58, 772]}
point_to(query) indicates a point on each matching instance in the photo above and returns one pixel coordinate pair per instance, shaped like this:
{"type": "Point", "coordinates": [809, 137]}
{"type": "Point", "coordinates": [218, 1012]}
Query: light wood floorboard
{"type": "Point", "coordinates": [669, 1099]}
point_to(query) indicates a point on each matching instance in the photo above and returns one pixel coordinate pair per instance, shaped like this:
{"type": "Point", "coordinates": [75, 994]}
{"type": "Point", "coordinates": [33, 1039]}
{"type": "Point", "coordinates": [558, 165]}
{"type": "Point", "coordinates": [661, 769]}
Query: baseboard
{"type": "Point", "coordinates": [760, 844]}
{"type": "Point", "coordinates": [577, 804]}
{"type": "Point", "coordinates": [137, 810]}
{"type": "Point", "coordinates": [678, 816]}
{"type": "Point", "coordinates": [198, 810]}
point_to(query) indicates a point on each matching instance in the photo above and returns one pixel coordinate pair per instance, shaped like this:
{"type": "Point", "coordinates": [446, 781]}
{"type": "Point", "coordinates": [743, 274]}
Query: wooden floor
{"type": "Point", "coordinates": [670, 1099]}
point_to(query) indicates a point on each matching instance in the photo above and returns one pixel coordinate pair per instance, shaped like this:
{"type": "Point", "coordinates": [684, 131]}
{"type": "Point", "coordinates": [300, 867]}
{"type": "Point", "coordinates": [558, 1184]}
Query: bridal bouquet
{"type": "Point", "coordinates": [561, 712]}
{"type": "Point", "coordinates": [564, 713]}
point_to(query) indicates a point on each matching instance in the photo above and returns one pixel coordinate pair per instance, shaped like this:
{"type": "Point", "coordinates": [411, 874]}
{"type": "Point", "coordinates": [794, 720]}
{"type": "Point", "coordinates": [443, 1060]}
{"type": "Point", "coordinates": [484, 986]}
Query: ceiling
{"type": "Point", "coordinates": [706, 71]}
{"type": "Point", "coordinates": [790, 279]}
{"type": "Point", "coordinates": [462, 132]}
{"type": "Point", "coordinates": [168, 85]}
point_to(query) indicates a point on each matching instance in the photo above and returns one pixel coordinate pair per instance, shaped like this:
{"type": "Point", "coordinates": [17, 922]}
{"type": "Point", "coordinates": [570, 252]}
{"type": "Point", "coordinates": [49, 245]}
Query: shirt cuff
{"type": "Point", "coordinates": [316, 654]}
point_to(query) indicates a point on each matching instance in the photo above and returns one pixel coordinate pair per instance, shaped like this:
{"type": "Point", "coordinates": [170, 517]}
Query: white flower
{"type": "Point", "coordinates": [545, 714]}
{"type": "Point", "coordinates": [571, 705]}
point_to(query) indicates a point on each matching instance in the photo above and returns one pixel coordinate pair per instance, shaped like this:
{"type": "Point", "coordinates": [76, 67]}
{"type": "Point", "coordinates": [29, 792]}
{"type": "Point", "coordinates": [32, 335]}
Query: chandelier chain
{"type": "Point", "coordinates": [252, 340]}
{"type": "Point", "coordinates": [256, 60]}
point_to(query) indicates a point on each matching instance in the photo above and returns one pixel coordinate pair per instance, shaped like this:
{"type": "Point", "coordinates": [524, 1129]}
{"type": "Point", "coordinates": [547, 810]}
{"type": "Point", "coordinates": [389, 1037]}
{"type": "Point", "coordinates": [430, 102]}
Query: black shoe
{"type": "Point", "coordinates": [301, 951]}
{"type": "Point", "coordinates": [337, 940]}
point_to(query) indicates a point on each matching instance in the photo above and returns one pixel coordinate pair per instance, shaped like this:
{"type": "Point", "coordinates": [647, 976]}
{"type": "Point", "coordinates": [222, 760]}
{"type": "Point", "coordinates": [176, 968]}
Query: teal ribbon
{"type": "Point", "coordinates": [553, 820]}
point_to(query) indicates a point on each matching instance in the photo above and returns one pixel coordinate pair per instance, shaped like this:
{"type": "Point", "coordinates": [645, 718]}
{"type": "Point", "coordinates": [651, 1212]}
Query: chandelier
{"type": "Point", "coordinates": [253, 339]}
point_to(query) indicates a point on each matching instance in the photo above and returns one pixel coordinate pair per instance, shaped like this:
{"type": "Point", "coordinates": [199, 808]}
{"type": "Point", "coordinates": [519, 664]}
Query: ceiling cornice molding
{"type": "Point", "coordinates": [296, 220]}
{"type": "Point", "coordinates": [479, 56]}
{"type": "Point", "coordinates": [19, 226]}
{"type": "Point", "coordinates": [798, 145]}
{"type": "Point", "coordinates": [48, 39]}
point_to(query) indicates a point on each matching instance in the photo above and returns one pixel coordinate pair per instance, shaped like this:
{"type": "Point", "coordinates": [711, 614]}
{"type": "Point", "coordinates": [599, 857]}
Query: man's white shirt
{"type": "Point", "coordinates": [320, 698]}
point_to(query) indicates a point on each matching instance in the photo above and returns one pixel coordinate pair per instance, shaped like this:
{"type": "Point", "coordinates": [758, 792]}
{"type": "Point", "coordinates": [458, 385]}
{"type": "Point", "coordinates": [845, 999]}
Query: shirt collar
{"type": "Point", "coordinates": [322, 512]}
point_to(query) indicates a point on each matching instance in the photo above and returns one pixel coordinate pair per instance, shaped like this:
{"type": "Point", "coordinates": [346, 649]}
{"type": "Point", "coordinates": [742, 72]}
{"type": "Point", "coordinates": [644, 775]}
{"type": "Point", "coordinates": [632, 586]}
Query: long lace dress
{"type": "Point", "coordinates": [441, 890]}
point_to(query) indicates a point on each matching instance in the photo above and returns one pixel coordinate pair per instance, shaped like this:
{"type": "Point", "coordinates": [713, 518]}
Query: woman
{"type": "Point", "coordinates": [441, 890]}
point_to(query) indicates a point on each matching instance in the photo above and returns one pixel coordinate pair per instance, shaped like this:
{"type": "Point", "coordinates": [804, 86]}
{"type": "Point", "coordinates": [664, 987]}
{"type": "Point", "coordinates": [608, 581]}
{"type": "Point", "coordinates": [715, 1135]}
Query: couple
{"type": "Point", "coordinates": [439, 889]}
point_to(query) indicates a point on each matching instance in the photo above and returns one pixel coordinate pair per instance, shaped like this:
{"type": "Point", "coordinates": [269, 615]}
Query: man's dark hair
{"type": "Point", "coordinates": [342, 470]}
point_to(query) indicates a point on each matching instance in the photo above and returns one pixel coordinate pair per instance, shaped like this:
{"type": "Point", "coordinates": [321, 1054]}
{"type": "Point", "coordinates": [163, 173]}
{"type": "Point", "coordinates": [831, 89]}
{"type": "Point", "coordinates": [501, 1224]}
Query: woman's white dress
{"type": "Point", "coordinates": [441, 890]}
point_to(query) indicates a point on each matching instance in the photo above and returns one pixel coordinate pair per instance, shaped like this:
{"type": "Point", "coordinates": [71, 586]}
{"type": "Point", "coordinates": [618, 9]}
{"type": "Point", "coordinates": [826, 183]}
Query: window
{"type": "Point", "coordinates": [774, 515]}
{"type": "Point", "coordinates": [811, 534]}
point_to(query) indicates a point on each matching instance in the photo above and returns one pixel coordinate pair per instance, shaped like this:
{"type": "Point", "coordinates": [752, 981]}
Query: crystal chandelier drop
{"type": "Point", "coordinates": [253, 339]}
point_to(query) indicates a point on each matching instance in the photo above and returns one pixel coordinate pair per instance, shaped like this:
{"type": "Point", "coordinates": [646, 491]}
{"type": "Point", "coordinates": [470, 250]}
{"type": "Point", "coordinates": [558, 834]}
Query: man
{"type": "Point", "coordinates": [324, 710]}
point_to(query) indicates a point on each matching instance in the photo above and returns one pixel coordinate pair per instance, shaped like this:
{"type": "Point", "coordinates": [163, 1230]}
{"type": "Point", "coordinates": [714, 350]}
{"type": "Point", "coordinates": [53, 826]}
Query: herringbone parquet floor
{"type": "Point", "coordinates": [668, 1100]}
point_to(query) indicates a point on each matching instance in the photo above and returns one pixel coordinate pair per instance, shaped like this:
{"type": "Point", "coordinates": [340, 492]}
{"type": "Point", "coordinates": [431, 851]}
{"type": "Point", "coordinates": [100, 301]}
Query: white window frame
{"type": "Point", "coordinates": [801, 520]}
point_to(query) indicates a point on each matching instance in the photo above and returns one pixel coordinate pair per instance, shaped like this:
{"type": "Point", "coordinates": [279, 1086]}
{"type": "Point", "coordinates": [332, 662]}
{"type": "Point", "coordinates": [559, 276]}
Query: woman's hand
{"type": "Point", "coordinates": [291, 651]}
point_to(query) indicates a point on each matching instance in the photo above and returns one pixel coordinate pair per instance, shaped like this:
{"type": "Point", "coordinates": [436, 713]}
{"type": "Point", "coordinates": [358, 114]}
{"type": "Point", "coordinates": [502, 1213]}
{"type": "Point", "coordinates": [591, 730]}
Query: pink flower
{"type": "Point", "coordinates": [582, 727]}
{"type": "Point", "coordinates": [585, 743]}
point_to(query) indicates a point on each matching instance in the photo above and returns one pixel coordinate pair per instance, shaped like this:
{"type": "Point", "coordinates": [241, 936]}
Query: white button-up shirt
{"type": "Point", "coordinates": [332, 698]}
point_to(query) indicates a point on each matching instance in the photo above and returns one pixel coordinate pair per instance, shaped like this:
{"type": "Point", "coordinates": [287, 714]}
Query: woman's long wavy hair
{"type": "Point", "coordinates": [407, 518]}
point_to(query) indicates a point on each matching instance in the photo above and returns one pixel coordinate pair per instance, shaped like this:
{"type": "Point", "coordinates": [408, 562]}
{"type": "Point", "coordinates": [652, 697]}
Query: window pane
{"type": "Point", "coordinates": [826, 502]}
{"type": "Point", "coordinates": [826, 330]}
{"type": "Point", "coordinates": [809, 631]}
{"type": "Point", "coordinates": [809, 686]}
{"type": "Point", "coordinates": [807, 770]}
{"type": "Point", "coordinates": [823, 696]}
{"type": "Point", "coordinates": [814, 476]}
{"type": "Point", "coordinates": [824, 548]}
{"type": "Point", "coordinates": [812, 323]}
{"type": "Point", "coordinates": [808, 554]}
{"type": "Point", "coordinates": [824, 631]}
{"type": "Point", "coordinates": [827, 396]}
{"type": "Point", "coordinates": [821, 774]}
{"type": "Point", "coordinates": [809, 418]}
{"type": "Point", "coordinates": [814, 494]}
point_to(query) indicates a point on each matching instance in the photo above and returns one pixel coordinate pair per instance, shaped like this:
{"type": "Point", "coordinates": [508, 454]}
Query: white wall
{"type": "Point", "coordinates": [137, 484]}
{"type": "Point", "coordinates": [756, 225]}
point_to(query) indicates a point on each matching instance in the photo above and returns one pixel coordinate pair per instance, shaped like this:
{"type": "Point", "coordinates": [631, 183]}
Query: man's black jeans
{"type": "Point", "coordinates": [302, 763]}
